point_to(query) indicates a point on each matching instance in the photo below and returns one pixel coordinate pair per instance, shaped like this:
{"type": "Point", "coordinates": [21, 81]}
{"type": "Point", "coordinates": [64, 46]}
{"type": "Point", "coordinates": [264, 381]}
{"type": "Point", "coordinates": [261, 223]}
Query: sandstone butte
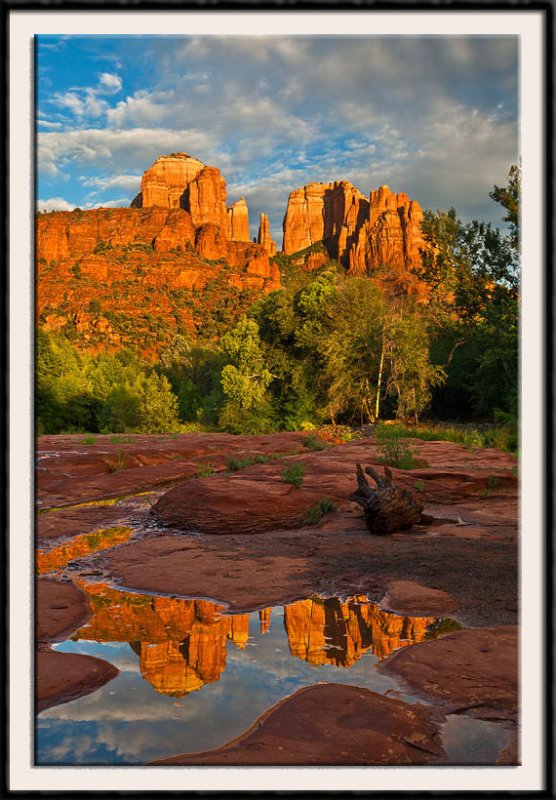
{"type": "Point", "coordinates": [179, 235]}
{"type": "Point", "coordinates": [177, 225]}
{"type": "Point", "coordinates": [363, 233]}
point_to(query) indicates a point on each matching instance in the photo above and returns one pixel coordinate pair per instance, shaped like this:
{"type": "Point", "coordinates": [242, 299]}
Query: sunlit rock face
{"type": "Point", "coordinates": [264, 237]}
{"type": "Point", "coordinates": [333, 632]}
{"type": "Point", "coordinates": [166, 181]}
{"type": "Point", "coordinates": [362, 233]}
{"type": "Point", "coordinates": [238, 221]}
{"type": "Point", "coordinates": [58, 557]}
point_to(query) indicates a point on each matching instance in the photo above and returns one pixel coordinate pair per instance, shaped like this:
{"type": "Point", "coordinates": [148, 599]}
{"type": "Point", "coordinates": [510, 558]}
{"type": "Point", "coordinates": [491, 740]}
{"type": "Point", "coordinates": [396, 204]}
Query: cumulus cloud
{"type": "Point", "coordinates": [54, 204]}
{"type": "Point", "coordinates": [108, 149]}
{"type": "Point", "coordinates": [109, 83]}
{"type": "Point", "coordinates": [436, 117]}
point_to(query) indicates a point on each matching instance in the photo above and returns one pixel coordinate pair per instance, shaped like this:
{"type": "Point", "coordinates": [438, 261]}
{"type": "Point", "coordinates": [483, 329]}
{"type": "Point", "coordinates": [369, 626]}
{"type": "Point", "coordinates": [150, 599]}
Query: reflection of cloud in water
{"type": "Point", "coordinates": [137, 724]}
{"type": "Point", "coordinates": [169, 643]}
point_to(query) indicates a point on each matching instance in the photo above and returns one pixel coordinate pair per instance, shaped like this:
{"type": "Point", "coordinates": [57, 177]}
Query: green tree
{"type": "Point", "coordinates": [245, 380]}
{"type": "Point", "coordinates": [353, 351]}
{"type": "Point", "coordinates": [158, 407]}
{"type": "Point", "coordinates": [509, 198]}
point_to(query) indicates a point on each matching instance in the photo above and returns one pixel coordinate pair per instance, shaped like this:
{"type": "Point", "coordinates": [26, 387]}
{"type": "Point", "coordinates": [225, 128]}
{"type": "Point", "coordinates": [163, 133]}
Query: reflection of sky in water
{"type": "Point", "coordinates": [128, 722]}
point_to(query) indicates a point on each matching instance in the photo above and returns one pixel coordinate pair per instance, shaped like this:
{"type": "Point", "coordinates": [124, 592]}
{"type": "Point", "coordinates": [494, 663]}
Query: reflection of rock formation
{"type": "Point", "coordinates": [77, 546]}
{"type": "Point", "coordinates": [264, 619]}
{"type": "Point", "coordinates": [181, 644]}
{"type": "Point", "coordinates": [333, 632]}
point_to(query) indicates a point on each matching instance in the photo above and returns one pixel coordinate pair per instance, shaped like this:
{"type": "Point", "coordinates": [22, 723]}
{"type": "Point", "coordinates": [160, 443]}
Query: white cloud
{"type": "Point", "coordinates": [85, 104]}
{"type": "Point", "coordinates": [54, 204]}
{"type": "Point", "coordinates": [130, 183]}
{"type": "Point", "coordinates": [111, 150]}
{"type": "Point", "coordinates": [109, 83]}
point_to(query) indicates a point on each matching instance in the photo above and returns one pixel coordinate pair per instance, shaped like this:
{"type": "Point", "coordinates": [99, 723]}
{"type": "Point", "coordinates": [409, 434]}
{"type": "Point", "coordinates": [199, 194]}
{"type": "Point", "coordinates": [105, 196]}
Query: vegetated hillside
{"type": "Point", "coordinates": [130, 277]}
{"type": "Point", "coordinates": [384, 310]}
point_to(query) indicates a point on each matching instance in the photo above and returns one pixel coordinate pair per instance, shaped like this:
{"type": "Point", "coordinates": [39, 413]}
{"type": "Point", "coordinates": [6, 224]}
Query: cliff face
{"type": "Point", "coordinates": [264, 238]}
{"type": "Point", "coordinates": [165, 182]}
{"type": "Point", "coordinates": [238, 221]}
{"type": "Point", "coordinates": [362, 233]}
{"type": "Point", "coordinates": [140, 257]}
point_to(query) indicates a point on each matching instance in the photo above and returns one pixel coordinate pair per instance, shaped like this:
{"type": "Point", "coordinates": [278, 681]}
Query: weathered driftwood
{"type": "Point", "coordinates": [387, 508]}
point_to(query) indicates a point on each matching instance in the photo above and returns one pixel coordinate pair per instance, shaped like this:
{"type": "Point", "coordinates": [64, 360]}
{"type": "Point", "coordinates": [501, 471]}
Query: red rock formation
{"type": "Point", "coordinates": [264, 619]}
{"type": "Point", "coordinates": [320, 212]}
{"type": "Point", "coordinates": [207, 199]}
{"type": "Point", "coordinates": [264, 237]}
{"type": "Point", "coordinates": [165, 182]}
{"type": "Point", "coordinates": [177, 234]}
{"type": "Point", "coordinates": [210, 242]}
{"type": "Point", "coordinates": [362, 234]}
{"type": "Point", "coordinates": [238, 221]}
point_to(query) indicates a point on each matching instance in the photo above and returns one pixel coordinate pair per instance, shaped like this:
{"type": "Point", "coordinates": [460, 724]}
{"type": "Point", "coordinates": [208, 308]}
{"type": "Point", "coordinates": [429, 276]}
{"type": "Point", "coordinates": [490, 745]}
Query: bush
{"type": "Point", "coordinates": [294, 475]}
{"type": "Point", "coordinates": [314, 443]}
{"type": "Point", "coordinates": [317, 512]}
{"type": "Point", "coordinates": [397, 453]}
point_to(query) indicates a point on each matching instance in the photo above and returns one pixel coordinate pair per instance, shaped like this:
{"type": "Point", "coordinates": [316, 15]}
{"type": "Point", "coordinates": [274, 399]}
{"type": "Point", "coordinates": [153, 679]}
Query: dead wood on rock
{"type": "Point", "coordinates": [387, 508]}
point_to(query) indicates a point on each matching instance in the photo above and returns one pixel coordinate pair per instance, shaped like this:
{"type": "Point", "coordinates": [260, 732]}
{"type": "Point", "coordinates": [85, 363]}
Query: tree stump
{"type": "Point", "coordinates": [387, 508]}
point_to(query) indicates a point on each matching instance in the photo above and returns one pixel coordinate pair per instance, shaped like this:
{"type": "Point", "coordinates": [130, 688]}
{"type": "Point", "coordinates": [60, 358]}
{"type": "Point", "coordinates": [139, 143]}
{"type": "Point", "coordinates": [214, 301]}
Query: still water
{"type": "Point", "coordinates": [192, 677]}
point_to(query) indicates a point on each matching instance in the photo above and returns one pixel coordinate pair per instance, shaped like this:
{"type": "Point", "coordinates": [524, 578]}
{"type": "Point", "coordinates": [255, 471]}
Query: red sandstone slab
{"type": "Point", "coordinates": [61, 677]}
{"type": "Point", "coordinates": [471, 671]}
{"type": "Point", "coordinates": [331, 725]}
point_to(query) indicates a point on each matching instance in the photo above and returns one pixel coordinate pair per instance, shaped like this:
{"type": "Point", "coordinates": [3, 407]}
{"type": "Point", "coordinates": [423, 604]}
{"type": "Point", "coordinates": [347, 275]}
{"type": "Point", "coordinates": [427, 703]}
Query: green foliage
{"type": "Point", "coordinates": [441, 627]}
{"type": "Point", "coordinates": [396, 452]}
{"type": "Point", "coordinates": [509, 198]}
{"type": "Point", "coordinates": [314, 514]}
{"type": "Point", "coordinates": [294, 475]}
{"type": "Point", "coordinates": [76, 270]}
{"type": "Point", "coordinates": [235, 464]}
{"type": "Point", "coordinates": [245, 380]}
{"type": "Point", "coordinates": [205, 470]}
{"type": "Point", "coordinates": [89, 440]}
{"type": "Point", "coordinates": [314, 443]}
{"type": "Point", "coordinates": [158, 406]}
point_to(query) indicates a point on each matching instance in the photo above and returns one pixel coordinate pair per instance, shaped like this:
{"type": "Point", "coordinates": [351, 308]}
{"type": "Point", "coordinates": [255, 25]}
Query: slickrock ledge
{"type": "Point", "coordinates": [61, 677]}
{"type": "Point", "coordinates": [331, 725]}
{"type": "Point", "coordinates": [470, 671]}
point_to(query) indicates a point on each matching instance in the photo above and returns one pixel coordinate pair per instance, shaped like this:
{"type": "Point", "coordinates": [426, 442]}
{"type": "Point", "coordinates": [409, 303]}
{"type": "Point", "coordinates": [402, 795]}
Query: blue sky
{"type": "Point", "coordinates": [436, 117]}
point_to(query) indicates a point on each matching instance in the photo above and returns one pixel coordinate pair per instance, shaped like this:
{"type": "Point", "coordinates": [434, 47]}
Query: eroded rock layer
{"type": "Point", "coordinates": [362, 233]}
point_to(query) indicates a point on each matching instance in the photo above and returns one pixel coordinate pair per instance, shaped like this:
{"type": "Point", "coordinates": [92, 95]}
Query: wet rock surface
{"type": "Point", "coordinates": [60, 677]}
{"type": "Point", "coordinates": [332, 725]}
{"type": "Point", "coordinates": [463, 564]}
{"type": "Point", "coordinates": [472, 672]}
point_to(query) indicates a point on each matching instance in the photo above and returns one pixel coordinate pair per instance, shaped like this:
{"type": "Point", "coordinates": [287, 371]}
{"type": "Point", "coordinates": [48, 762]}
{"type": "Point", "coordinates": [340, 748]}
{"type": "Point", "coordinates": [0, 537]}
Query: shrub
{"type": "Point", "coordinates": [397, 453]}
{"type": "Point", "coordinates": [294, 475]}
{"type": "Point", "coordinates": [117, 464]}
{"type": "Point", "coordinates": [205, 470]}
{"type": "Point", "coordinates": [314, 443]}
{"type": "Point", "coordinates": [89, 439]}
{"type": "Point", "coordinates": [317, 512]}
